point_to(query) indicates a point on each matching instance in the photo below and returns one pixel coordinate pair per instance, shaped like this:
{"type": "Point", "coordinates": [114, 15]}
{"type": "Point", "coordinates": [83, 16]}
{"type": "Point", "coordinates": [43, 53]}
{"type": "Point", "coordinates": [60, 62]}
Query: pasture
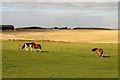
{"type": "Point", "coordinates": [59, 60]}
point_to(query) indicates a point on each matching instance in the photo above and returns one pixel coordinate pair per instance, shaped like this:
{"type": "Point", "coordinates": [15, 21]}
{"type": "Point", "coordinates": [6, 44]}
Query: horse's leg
{"type": "Point", "coordinates": [30, 47]}
{"type": "Point", "coordinates": [98, 55]}
{"type": "Point", "coordinates": [26, 49]}
{"type": "Point", "coordinates": [40, 50]}
{"type": "Point", "coordinates": [101, 54]}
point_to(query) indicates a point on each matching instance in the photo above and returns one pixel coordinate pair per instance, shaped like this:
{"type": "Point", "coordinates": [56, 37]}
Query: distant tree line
{"type": "Point", "coordinates": [66, 28]}
{"type": "Point", "coordinates": [43, 28]}
{"type": "Point", "coordinates": [6, 27]}
{"type": "Point", "coordinates": [11, 27]}
{"type": "Point", "coordinates": [81, 28]}
{"type": "Point", "coordinates": [31, 28]}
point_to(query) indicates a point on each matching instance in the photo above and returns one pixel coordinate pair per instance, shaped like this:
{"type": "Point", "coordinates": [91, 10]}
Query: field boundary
{"type": "Point", "coordinates": [29, 40]}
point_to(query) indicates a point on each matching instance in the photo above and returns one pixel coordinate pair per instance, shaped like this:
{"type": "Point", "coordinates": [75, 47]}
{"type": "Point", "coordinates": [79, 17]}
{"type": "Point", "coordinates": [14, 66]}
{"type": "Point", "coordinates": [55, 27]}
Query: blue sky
{"type": "Point", "coordinates": [48, 14]}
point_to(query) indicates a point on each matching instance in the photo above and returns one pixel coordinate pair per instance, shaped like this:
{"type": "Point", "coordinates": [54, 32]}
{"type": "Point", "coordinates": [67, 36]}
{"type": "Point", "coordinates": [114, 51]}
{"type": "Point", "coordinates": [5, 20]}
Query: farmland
{"type": "Point", "coordinates": [85, 36]}
{"type": "Point", "coordinates": [66, 59]}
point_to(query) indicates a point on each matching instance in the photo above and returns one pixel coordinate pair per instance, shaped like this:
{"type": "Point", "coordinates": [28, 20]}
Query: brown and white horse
{"type": "Point", "coordinates": [32, 46]}
{"type": "Point", "coordinates": [98, 51]}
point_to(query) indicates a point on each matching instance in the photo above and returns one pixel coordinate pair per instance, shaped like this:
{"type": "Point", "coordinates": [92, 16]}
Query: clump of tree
{"type": "Point", "coordinates": [31, 28]}
{"type": "Point", "coordinates": [55, 28]}
{"type": "Point", "coordinates": [62, 28]}
{"type": "Point", "coordinates": [6, 27]}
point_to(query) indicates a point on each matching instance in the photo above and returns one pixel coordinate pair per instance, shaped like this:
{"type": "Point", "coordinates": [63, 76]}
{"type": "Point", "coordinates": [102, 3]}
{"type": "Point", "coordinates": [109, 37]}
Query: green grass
{"type": "Point", "coordinates": [59, 60]}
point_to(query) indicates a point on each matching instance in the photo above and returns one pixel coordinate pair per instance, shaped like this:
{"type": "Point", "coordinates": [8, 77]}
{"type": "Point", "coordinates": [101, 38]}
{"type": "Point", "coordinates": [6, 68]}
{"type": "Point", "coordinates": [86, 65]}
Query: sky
{"type": "Point", "coordinates": [23, 13]}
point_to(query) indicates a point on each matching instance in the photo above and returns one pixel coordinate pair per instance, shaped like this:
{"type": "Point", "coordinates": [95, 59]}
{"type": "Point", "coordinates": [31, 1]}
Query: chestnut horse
{"type": "Point", "coordinates": [98, 51]}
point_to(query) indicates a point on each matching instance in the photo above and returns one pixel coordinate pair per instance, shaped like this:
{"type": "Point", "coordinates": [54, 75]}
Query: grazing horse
{"type": "Point", "coordinates": [32, 46]}
{"type": "Point", "coordinates": [98, 51]}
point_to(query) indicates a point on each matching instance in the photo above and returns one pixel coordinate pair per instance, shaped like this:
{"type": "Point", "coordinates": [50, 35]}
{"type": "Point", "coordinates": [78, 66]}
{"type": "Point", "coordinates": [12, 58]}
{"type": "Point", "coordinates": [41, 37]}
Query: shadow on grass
{"type": "Point", "coordinates": [106, 56]}
{"type": "Point", "coordinates": [44, 51]}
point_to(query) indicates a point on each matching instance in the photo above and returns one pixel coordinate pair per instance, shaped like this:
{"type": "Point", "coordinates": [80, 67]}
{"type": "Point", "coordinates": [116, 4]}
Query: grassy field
{"type": "Point", "coordinates": [59, 60]}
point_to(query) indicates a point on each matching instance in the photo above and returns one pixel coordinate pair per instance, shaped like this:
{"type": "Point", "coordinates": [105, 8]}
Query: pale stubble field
{"type": "Point", "coordinates": [92, 36]}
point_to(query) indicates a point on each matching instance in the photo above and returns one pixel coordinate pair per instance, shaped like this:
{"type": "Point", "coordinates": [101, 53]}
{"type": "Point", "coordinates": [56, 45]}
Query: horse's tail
{"type": "Point", "coordinates": [23, 46]}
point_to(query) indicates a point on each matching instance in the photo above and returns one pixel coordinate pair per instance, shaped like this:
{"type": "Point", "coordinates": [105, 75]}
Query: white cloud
{"type": "Point", "coordinates": [34, 6]}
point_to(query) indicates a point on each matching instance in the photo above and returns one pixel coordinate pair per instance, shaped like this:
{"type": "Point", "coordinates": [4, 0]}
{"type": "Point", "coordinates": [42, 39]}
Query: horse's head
{"type": "Point", "coordinates": [94, 49]}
